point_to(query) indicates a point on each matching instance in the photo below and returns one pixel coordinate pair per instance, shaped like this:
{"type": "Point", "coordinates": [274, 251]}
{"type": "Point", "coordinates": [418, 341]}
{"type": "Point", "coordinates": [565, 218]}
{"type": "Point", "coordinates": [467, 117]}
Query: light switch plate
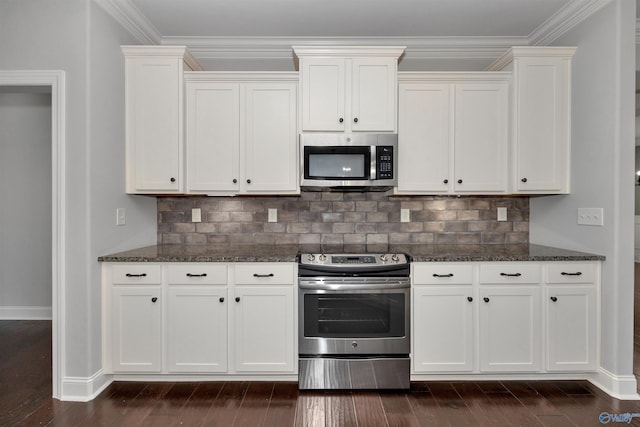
{"type": "Point", "coordinates": [121, 217]}
{"type": "Point", "coordinates": [591, 216]}
{"type": "Point", "coordinates": [196, 215]}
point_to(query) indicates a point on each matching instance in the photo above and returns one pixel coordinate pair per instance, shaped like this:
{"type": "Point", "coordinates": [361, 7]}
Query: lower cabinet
{"type": "Point", "coordinates": [196, 318]}
{"type": "Point", "coordinates": [264, 329]}
{"type": "Point", "coordinates": [510, 329]}
{"type": "Point", "coordinates": [137, 332]}
{"type": "Point", "coordinates": [505, 318]}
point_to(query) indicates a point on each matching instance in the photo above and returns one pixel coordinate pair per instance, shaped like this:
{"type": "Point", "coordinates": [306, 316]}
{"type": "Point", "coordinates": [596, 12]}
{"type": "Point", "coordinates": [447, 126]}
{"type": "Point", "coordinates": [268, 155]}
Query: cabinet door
{"type": "Point", "coordinates": [136, 328]}
{"type": "Point", "coordinates": [264, 333]}
{"type": "Point", "coordinates": [542, 124]}
{"type": "Point", "coordinates": [323, 94]}
{"type": "Point", "coordinates": [154, 124]}
{"type": "Point", "coordinates": [437, 348]}
{"type": "Point", "coordinates": [424, 143]}
{"type": "Point", "coordinates": [213, 137]}
{"type": "Point", "coordinates": [373, 94]}
{"type": "Point", "coordinates": [480, 133]}
{"type": "Point", "coordinates": [510, 329]}
{"type": "Point", "coordinates": [197, 329]}
{"type": "Point", "coordinates": [270, 146]}
{"type": "Point", "coordinates": [571, 328]}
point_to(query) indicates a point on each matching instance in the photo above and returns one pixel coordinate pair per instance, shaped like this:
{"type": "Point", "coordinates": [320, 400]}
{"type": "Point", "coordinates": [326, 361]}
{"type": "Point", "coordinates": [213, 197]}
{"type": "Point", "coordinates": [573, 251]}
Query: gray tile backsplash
{"type": "Point", "coordinates": [343, 218]}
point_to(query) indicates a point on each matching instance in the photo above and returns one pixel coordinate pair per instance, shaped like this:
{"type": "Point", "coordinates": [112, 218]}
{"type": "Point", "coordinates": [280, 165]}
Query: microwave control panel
{"type": "Point", "coordinates": [384, 162]}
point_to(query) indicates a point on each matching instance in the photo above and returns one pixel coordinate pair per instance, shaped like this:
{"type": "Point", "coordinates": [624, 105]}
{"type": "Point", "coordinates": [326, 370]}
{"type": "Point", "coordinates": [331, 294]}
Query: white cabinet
{"type": "Point", "coordinates": [453, 133]}
{"type": "Point", "coordinates": [241, 133]}
{"type": "Point", "coordinates": [264, 329]}
{"type": "Point", "coordinates": [541, 117]}
{"type": "Point", "coordinates": [571, 311]}
{"type": "Point", "coordinates": [510, 329]}
{"type": "Point", "coordinates": [196, 318]}
{"type": "Point", "coordinates": [348, 89]}
{"type": "Point", "coordinates": [154, 117]}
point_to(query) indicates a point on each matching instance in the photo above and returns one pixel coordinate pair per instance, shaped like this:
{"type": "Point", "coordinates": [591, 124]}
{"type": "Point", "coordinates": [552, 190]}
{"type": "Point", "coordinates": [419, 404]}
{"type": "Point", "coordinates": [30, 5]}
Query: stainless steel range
{"type": "Point", "coordinates": [354, 321]}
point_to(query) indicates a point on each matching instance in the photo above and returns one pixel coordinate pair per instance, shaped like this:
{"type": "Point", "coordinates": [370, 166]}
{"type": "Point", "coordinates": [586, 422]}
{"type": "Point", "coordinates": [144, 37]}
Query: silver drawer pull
{"type": "Point", "coordinates": [442, 275]}
{"type": "Point", "coordinates": [511, 275]}
{"type": "Point", "coordinates": [136, 275]}
{"type": "Point", "coordinates": [579, 273]}
{"type": "Point", "coordinates": [262, 275]}
{"type": "Point", "coordinates": [197, 275]}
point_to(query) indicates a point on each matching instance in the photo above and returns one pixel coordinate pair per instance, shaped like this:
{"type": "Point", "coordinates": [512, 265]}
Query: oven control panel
{"type": "Point", "coordinates": [351, 260]}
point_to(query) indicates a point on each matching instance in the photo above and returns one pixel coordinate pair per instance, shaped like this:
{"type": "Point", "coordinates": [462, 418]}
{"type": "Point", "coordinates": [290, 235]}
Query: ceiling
{"type": "Point", "coordinates": [465, 34]}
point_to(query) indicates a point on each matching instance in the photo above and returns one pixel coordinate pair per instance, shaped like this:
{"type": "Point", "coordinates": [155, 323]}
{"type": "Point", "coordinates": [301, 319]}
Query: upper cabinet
{"type": "Point", "coordinates": [541, 118]}
{"type": "Point", "coordinates": [348, 89]}
{"type": "Point", "coordinates": [154, 117]}
{"type": "Point", "coordinates": [453, 133]}
{"type": "Point", "coordinates": [241, 133]}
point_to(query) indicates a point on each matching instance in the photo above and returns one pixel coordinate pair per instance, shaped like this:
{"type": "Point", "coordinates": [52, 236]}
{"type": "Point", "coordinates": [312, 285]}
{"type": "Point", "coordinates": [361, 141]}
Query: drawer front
{"type": "Point", "coordinates": [265, 273]}
{"type": "Point", "coordinates": [136, 274]}
{"type": "Point", "coordinates": [511, 272]}
{"type": "Point", "coordinates": [197, 274]}
{"type": "Point", "coordinates": [442, 274]}
{"type": "Point", "coordinates": [571, 272]}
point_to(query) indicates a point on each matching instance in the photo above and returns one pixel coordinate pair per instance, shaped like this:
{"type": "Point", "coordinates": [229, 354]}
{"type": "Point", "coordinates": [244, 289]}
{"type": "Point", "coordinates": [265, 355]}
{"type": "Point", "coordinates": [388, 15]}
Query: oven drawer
{"type": "Point", "coordinates": [265, 274]}
{"type": "Point", "coordinates": [442, 274]}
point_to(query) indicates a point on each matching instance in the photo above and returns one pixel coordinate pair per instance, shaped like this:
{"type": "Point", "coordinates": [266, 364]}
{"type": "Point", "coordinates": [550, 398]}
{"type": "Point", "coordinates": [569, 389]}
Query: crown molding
{"type": "Point", "coordinates": [564, 20]}
{"type": "Point", "coordinates": [130, 17]}
{"type": "Point", "coordinates": [252, 48]}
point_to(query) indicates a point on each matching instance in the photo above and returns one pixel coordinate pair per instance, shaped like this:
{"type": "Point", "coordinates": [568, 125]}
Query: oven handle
{"type": "Point", "coordinates": [341, 286]}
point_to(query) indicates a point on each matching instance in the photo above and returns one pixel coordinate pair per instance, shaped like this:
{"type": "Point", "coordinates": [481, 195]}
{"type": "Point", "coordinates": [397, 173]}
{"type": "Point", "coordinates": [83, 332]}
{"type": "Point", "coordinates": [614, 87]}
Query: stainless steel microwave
{"type": "Point", "coordinates": [349, 160]}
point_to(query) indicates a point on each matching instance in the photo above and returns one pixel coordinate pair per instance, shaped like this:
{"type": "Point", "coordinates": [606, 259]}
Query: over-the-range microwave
{"type": "Point", "coordinates": [349, 161]}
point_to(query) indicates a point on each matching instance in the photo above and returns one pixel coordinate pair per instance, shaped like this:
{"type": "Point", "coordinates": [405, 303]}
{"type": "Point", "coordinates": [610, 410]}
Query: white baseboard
{"type": "Point", "coordinates": [623, 387]}
{"type": "Point", "coordinates": [25, 313]}
{"type": "Point", "coordinates": [84, 389]}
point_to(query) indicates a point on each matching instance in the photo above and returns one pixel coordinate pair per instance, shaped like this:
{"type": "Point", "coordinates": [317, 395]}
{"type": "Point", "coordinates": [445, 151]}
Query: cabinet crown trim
{"type": "Point", "coordinates": [531, 51]}
{"type": "Point", "coordinates": [453, 77]}
{"type": "Point", "coordinates": [164, 51]}
{"type": "Point", "coordinates": [245, 76]}
{"type": "Point", "coordinates": [349, 51]}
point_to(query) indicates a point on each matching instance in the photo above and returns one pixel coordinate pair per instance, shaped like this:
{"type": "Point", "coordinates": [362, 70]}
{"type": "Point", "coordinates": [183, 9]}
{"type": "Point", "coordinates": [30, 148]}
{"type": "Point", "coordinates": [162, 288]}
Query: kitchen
{"type": "Point", "coordinates": [551, 218]}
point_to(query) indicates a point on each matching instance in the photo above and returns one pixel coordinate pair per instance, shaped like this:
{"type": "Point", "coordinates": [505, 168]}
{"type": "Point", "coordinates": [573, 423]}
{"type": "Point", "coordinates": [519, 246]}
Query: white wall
{"type": "Point", "coordinates": [76, 37]}
{"type": "Point", "coordinates": [25, 195]}
{"type": "Point", "coordinates": [602, 170]}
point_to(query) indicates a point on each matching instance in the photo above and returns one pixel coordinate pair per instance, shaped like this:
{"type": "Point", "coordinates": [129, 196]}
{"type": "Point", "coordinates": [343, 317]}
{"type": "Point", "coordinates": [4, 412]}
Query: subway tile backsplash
{"type": "Point", "coordinates": [349, 218]}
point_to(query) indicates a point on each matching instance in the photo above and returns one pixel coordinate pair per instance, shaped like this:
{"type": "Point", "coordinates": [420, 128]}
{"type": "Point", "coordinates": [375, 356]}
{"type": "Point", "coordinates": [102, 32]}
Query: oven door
{"type": "Point", "coordinates": [354, 320]}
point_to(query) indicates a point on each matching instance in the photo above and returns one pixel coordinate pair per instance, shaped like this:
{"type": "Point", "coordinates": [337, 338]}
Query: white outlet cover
{"type": "Point", "coordinates": [591, 216]}
{"type": "Point", "coordinates": [502, 214]}
{"type": "Point", "coordinates": [272, 215]}
{"type": "Point", "coordinates": [405, 215]}
{"type": "Point", "coordinates": [196, 215]}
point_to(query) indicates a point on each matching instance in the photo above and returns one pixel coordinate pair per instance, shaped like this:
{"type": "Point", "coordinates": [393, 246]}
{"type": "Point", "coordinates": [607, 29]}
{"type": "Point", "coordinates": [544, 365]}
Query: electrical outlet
{"type": "Point", "coordinates": [405, 215]}
{"type": "Point", "coordinates": [121, 217]}
{"type": "Point", "coordinates": [196, 215]}
{"type": "Point", "coordinates": [502, 214]}
{"type": "Point", "coordinates": [272, 215]}
{"type": "Point", "coordinates": [591, 216]}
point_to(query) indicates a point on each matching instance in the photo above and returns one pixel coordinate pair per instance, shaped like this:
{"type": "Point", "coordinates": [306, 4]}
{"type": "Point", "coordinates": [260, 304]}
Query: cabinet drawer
{"type": "Point", "coordinates": [136, 274]}
{"type": "Point", "coordinates": [510, 273]}
{"type": "Point", "coordinates": [197, 274]}
{"type": "Point", "coordinates": [442, 273]}
{"type": "Point", "coordinates": [265, 273]}
{"type": "Point", "coordinates": [571, 272]}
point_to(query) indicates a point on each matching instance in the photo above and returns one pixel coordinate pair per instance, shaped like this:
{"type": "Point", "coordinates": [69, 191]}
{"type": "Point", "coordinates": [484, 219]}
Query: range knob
{"type": "Point", "coordinates": [395, 258]}
{"type": "Point", "coordinates": [311, 257]}
{"type": "Point", "coordinates": [383, 257]}
{"type": "Point", "coordinates": [322, 257]}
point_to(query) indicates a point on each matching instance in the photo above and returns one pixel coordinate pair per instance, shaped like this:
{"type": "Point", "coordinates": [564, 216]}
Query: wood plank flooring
{"type": "Point", "coordinates": [25, 390]}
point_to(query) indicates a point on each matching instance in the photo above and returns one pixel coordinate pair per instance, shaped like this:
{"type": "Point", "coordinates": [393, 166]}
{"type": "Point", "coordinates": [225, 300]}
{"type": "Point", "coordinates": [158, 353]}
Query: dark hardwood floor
{"type": "Point", "coordinates": [25, 390]}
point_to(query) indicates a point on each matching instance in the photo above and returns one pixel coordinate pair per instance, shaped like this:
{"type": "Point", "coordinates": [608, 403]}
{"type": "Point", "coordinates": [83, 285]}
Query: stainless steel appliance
{"type": "Point", "coordinates": [354, 319]}
{"type": "Point", "coordinates": [345, 161]}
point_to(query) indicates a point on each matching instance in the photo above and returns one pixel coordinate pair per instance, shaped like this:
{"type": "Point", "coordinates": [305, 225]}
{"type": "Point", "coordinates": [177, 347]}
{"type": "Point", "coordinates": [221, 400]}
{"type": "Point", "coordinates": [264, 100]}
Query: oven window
{"type": "Point", "coordinates": [354, 315]}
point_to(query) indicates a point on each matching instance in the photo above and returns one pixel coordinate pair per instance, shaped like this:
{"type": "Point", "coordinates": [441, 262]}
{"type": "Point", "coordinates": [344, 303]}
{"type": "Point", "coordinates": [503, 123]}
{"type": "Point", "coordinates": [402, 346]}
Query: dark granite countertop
{"type": "Point", "coordinates": [287, 253]}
